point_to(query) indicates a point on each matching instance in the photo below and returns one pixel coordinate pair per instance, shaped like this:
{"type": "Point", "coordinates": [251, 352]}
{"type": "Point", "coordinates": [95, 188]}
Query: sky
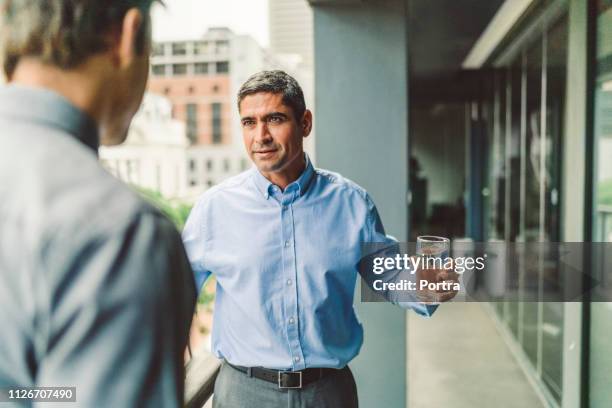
{"type": "Point", "coordinates": [188, 19]}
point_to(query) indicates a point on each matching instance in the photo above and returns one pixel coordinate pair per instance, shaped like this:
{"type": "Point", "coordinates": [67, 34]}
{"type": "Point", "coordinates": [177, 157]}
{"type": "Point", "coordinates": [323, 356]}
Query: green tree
{"type": "Point", "coordinates": [604, 192]}
{"type": "Point", "coordinates": [177, 211]}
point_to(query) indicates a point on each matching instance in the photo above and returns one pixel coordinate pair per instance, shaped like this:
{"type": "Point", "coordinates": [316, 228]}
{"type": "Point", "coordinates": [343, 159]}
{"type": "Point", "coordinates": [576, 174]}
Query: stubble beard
{"type": "Point", "coordinates": [267, 167]}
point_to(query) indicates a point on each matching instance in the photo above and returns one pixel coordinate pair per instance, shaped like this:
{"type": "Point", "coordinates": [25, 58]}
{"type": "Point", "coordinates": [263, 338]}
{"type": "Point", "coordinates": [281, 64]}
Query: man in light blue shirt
{"type": "Point", "coordinates": [283, 241]}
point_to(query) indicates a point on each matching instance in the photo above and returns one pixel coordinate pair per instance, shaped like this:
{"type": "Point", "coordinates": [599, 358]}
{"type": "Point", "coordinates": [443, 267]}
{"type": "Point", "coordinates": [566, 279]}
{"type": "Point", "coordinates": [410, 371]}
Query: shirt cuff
{"type": "Point", "coordinates": [419, 308]}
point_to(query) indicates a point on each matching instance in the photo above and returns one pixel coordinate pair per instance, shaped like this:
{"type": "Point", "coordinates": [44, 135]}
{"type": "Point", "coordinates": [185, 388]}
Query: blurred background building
{"type": "Point", "coordinates": [195, 76]}
{"type": "Point", "coordinates": [155, 152]}
{"type": "Point", "coordinates": [291, 28]}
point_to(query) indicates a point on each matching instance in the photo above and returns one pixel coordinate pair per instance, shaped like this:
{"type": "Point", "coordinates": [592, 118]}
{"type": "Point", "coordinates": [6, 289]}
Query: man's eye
{"type": "Point", "coordinates": [276, 119]}
{"type": "Point", "coordinates": [248, 123]}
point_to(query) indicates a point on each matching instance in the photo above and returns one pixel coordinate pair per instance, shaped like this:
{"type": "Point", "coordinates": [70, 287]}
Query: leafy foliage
{"type": "Point", "coordinates": [604, 192]}
{"type": "Point", "coordinates": [177, 212]}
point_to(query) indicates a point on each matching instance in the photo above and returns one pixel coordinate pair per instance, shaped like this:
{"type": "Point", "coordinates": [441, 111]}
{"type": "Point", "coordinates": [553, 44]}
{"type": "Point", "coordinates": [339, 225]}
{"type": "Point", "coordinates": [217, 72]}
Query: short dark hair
{"type": "Point", "coordinates": [277, 82]}
{"type": "Point", "coordinates": [63, 33]}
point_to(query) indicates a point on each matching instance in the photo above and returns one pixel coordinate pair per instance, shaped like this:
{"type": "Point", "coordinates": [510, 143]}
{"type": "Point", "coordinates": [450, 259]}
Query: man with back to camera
{"type": "Point", "coordinates": [96, 292]}
{"type": "Point", "coordinates": [283, 240]}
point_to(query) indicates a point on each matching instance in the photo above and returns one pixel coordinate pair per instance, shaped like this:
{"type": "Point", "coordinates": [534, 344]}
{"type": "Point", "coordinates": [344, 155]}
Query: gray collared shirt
{"type": "Point", "coordinates": [95, 288]}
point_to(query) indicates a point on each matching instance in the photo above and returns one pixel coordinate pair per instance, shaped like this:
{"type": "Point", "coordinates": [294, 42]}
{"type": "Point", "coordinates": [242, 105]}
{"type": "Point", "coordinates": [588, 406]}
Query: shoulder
{"type": "Point", "coordinates": [338, 184]}
{"type": "Point", "coordinates": [100, 221]}
{"type": "Point", "coordinates": [84, 201]}
{"type": "Point", "coordinates": [226, 189]}
{"type": "Point", "coordinates": [64, 201]}
{"type": "Point", "coordinates": [116, 212]}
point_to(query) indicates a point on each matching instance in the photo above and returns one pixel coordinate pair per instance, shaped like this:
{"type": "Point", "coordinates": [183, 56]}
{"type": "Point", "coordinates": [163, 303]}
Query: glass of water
{"type": "Point", "coordinates": [434, 252]}
{"type": "Point", "coordinates": [432, 246]}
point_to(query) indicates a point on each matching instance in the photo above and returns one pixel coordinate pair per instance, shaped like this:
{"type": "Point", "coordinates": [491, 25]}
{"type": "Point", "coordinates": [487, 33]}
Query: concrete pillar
{"type": "Point", "coordinates": [361, 119]}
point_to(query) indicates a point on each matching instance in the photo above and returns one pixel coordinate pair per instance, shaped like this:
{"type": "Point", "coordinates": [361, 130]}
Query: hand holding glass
{"type": "Point", "coordinates": [434, 282]}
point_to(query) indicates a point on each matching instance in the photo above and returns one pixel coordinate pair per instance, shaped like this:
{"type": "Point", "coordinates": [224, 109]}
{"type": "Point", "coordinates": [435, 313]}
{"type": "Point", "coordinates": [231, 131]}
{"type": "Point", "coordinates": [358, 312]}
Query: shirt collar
{"type": "Point", "coordinates": [265, 186]}
{"type": "Point", "coordinates": [47, 107]}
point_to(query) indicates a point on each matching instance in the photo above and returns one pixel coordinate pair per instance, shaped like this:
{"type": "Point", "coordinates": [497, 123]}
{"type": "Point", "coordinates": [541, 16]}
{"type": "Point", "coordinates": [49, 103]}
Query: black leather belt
{"type": "Point", "coordinates": [286, 379]}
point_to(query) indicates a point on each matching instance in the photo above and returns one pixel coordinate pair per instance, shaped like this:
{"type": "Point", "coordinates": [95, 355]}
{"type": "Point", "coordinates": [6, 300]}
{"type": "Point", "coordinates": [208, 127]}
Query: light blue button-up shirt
{"type": "Point", "coordinates": [285, 264]}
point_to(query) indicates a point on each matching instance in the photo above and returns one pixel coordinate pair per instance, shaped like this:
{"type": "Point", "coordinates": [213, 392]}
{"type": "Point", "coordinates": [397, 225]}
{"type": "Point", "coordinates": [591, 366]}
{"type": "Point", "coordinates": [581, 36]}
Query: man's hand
{"type": "Point", "coordinates": [436, 285]}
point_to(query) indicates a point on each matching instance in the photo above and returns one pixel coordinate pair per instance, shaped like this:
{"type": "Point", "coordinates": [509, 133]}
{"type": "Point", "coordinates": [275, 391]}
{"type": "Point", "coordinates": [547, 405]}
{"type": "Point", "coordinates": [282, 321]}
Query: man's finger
{"type": "Point", "coordinates": [445, 296]}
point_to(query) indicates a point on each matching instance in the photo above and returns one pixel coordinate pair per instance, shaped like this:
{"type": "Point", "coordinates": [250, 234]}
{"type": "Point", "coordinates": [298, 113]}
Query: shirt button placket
{"type": "Point", "coordinates": [290, 281]}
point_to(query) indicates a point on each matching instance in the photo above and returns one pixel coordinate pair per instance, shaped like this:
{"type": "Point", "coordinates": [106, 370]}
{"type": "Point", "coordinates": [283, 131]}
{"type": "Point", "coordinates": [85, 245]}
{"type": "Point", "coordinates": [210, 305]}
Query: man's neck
{"type": "Point", "coordinates": [77, 85]}
{"type": "Point", "coordinates": [289, 174]}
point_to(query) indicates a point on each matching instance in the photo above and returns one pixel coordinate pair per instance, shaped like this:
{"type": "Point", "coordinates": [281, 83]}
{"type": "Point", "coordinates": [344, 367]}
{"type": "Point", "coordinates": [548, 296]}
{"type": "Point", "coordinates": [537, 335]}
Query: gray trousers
{"type": "Point", "coordinates": [234, 389]}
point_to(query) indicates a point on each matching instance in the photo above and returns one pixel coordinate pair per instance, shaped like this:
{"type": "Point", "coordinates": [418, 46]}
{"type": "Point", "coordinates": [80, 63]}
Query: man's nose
{"type": "Point", "coordinates": [263, 135]}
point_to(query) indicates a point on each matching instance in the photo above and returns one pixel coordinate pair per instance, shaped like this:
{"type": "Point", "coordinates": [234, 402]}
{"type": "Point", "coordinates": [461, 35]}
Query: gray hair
{"type": "Point", "coordinates": [63, 33]}
{"type": "Point", "coordinates": [277, 82]}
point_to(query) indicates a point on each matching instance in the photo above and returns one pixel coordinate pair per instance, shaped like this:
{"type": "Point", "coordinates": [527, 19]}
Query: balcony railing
{"type": "Point", "coordinates": [201, 372]}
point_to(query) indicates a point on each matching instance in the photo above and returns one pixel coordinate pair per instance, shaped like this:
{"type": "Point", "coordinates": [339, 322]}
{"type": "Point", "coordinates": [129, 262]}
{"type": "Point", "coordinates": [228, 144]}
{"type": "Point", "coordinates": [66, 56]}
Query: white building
{"type": "Point", "coordinates": [157, 155]}
{"type": "Point", "coordinates": [210, 165]}
{"type": "Point", "coordinates": [154, 155]}
{"type": "Point", "coordinates": [291, 29]}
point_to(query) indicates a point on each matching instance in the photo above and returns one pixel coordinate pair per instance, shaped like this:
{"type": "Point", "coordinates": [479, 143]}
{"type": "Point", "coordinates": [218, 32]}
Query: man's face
{"type": "Point", "coordinates": [272, 135]}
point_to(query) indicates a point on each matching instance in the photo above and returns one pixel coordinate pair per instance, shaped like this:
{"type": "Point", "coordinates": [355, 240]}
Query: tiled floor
{"type": "Point", "coordinates": [457, 359]}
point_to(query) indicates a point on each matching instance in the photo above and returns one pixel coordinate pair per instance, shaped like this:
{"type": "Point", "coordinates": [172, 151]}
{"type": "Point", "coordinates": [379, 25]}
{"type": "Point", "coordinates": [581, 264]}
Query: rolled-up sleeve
{"type": "Point", "coordinates": [422, 309]}
{"type": "Point", "coordinates": [377, 235]}
{"type": "Point", "coordinates": [119, 316]}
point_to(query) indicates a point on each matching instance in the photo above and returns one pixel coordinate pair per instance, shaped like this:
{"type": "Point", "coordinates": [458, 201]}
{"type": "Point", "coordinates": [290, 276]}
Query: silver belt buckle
{"type": "Point", "coordinates": [280, 373]}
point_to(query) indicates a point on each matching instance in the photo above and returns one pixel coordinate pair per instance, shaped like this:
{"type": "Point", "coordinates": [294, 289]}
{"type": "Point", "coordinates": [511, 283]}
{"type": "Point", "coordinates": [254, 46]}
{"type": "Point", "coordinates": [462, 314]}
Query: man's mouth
{"type": "Point", "coordinates": [265, 152]}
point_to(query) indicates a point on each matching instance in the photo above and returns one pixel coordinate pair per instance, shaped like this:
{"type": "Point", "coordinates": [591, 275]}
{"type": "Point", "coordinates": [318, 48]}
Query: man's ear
{"type": "Point", "coordinates": [127, 48]}
{"type": "Point", "coordinates": [307, 123]}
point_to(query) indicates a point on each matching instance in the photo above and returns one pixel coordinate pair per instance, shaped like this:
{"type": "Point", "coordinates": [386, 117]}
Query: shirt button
{"type": "Point", "coordinates": [296, 359]}
{"type": "Point", "coordinates": [289, 282]}
{"type": "Point", "coordinates": [285, 208]}
{"type": "Point", "coordinates": [287, 243]}
{"type": "Point", "coordinates": [291, 320]}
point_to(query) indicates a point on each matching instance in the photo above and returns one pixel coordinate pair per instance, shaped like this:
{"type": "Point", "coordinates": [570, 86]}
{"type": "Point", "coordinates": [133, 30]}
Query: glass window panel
{"type": "Point", "coordinates": [192, 122]}
{"type": "Point", "coordinates": [201, 47]}
{"type": "Point", "coordinates": [159, 70]}
{"type": "Point", "coordinates": [513, 163]}
{"type": "Point", "coordinates": [488, 118]}
{"type": "Point", "coordinates": [495, 113]}
{"type": "Point", "coordinates": [179, 69]}
{"type": "Point", "coordinates": [222, 67]}
{"type": "Point", "coordinates": [216, 123]}
{"type": "Point", "coordinates": [158, 49]}
{"type": "Point", "coordinates": [552, 313]}
{"type": "Point", "coordinates": [530, 186]}
{"type": "Point", "coordinates": [201, 68]}
{"type": "Point", "coordinates": [498, 196]}
{"type": "Point", "coordinates": [531, 103]}
{"type": "Point", "coordinates": [222, 46]}
{"type": "Point", "coordinates": [179, 48]}
{"type": "Point", "coordinates": [600, 391]}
